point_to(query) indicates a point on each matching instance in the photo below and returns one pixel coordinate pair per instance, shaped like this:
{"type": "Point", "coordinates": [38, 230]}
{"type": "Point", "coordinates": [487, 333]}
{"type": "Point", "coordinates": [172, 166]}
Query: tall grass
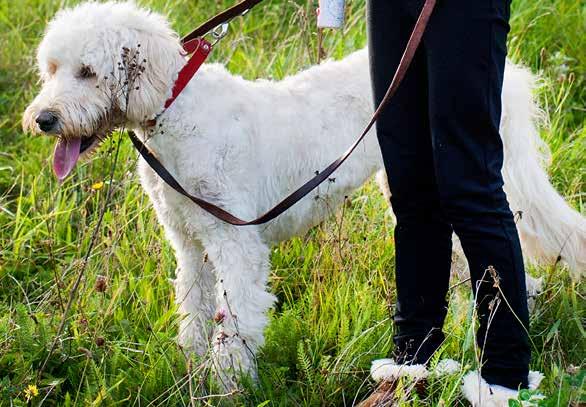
{"type": "Point", "coordinates": [334, 285]}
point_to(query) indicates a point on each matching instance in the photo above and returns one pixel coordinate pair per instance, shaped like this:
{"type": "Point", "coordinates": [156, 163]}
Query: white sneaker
{"type": "Point", "coordinates": [481, 394]}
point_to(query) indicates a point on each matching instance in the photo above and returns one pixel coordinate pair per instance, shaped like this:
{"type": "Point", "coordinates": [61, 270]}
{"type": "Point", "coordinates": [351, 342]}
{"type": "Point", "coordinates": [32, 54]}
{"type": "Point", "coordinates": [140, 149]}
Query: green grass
{"type": "Point", "coordinates": [333, 285]}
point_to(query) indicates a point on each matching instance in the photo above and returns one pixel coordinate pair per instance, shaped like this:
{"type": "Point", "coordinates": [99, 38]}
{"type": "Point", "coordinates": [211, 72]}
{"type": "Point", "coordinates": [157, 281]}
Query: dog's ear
{"type": "Point", "coordinates": [160, 56]}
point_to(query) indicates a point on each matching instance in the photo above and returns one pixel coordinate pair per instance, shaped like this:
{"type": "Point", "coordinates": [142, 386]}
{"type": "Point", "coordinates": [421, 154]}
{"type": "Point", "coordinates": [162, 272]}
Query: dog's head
{"type": "Point", "coordinates": [101, 65]}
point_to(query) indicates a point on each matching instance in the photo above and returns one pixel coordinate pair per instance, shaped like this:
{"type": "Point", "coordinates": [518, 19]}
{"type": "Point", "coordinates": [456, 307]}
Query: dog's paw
{"type": "Point", "coordinates": [534, 288]}
{"type": "Point", "coordinates": [232, 361]}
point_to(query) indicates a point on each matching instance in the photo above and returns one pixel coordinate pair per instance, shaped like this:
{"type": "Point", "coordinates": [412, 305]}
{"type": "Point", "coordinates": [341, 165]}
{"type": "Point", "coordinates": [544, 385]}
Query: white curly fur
{"type": "Point", "coordinates": [481, 394]}
{"type": "Point", "coordinates": [246, 144]}
{"type": "Point", "coordinates": [447, 367]}
{"type": "Point", "coordinates": [388, 369]}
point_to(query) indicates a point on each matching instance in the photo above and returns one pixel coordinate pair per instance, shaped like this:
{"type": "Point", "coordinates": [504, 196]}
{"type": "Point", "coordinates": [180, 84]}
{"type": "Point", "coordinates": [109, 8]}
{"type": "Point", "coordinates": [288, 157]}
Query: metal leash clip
{"type": "Point", "coordinates": [219, 32]}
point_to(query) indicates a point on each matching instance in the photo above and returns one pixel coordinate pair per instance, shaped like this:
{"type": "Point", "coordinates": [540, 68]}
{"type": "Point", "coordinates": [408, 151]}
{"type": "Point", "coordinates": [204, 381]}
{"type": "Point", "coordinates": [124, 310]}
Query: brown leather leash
{"type": "Point", "coordinates": [301, 192]}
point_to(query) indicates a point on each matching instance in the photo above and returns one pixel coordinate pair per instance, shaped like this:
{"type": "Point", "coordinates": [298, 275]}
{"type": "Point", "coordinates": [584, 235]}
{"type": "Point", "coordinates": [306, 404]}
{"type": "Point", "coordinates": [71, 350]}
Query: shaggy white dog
{"type": "Point", "coordinates": [245, 145]}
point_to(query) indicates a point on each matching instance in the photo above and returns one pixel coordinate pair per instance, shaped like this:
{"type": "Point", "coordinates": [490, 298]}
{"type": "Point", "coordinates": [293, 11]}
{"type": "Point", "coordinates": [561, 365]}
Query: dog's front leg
{"type": "Point", "coordinates": [241, 262]}
{"type": "Point", "coordinates": [194, 294]}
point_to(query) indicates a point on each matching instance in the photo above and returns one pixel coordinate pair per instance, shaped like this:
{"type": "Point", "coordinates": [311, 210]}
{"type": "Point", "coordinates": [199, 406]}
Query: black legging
{"type": "Point", "coordinates": [443, 155]}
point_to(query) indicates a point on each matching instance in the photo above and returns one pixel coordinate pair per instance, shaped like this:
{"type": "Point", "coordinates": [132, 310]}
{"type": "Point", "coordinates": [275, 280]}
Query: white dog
{"type": "Point", "coordinates": [245, 145]}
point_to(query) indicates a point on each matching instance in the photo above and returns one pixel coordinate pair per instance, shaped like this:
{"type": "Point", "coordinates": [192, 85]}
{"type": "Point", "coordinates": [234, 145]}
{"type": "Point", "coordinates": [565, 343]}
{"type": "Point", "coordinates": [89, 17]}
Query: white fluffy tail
{"type": "Point", "coordinates": [549, 228]}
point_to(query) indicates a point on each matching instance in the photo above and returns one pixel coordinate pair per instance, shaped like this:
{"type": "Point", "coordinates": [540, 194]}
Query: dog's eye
{"type": "Point", "coordinates": [86, 72]}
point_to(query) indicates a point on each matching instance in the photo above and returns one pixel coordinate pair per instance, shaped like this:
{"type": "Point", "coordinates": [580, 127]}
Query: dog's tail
{"type": "Point", "coordinates": [550, 229]}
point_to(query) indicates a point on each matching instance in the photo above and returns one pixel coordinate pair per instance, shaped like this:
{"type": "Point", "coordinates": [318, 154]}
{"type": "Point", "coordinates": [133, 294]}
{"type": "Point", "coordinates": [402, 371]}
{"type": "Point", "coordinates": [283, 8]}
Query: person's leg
{"type": "Point", "coordinates": [465, 47]}
{"type": "Point", "coordinates": [422, 237]}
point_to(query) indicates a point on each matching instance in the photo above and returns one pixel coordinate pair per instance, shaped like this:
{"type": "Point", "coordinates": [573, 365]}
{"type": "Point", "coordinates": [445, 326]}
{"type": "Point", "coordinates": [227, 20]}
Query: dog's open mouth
{"type": "Point", "coordinates": [68, 151]}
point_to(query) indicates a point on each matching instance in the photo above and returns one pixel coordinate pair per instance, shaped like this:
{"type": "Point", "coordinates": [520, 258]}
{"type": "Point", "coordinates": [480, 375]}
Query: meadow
{"type": "Point", "coordinates": [334, 285]}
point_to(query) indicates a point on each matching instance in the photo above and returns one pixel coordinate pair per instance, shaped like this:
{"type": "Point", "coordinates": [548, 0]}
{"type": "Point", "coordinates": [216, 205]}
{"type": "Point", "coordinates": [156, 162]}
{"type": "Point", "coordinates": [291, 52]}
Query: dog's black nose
{"type": "Point", "coordinates": [46, 121]}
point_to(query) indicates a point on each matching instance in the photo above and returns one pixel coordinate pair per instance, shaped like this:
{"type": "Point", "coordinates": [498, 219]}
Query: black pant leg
{"type": "Point", "coordinates": [422, 235]}
{"type": "Point", "coordinates": [465, 45]}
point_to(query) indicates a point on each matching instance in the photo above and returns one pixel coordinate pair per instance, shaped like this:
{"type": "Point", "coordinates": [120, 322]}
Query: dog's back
{"type": "Point", "coordinates": [327, 107]}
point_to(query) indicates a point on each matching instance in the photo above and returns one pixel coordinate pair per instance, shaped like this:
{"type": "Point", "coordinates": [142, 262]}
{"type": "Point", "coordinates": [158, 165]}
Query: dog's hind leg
{"type": "Point", "coordinates": [241, 261]}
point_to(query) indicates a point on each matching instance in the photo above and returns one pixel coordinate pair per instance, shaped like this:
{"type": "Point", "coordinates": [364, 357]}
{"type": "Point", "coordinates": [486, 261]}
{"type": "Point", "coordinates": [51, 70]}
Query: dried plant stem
{"type": "Point", "coordinates": [81, 273]}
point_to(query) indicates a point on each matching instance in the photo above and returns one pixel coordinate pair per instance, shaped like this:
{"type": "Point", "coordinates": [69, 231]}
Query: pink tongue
{"type": "Point", "coordinates": [65, 156]}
